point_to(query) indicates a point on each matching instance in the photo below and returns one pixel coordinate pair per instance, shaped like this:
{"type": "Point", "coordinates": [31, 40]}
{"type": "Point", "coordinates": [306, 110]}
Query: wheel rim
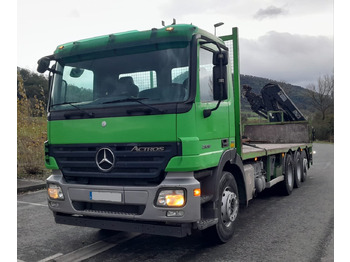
{"type": "Point", "coordinates": [229, 207]}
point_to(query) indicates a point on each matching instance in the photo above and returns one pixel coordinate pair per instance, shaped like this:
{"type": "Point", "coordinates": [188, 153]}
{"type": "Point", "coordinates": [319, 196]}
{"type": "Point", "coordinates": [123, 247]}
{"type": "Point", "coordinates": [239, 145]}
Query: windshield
{"type": "Point", "coordinates": [152, 77]}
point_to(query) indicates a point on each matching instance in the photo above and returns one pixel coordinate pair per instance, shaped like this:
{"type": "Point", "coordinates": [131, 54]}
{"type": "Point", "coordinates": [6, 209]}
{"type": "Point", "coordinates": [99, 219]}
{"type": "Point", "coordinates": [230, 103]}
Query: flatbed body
{"type": "Point", "coordinates": [253, 150]}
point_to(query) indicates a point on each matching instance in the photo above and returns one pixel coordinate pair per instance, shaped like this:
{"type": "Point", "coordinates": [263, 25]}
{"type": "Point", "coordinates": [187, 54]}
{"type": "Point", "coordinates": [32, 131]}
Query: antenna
{"type": "Point", "coordinates": [174, 22]}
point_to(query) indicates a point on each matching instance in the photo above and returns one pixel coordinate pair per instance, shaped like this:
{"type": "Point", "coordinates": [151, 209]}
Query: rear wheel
{"type": "Point", "coordinates": [227, 211]}
{"type": "Point", "coordinates": [304, 166]}
{"type": "Point", "coordinates": [288, 183]}
{"type": "Point", "coordinates": [298, 164]}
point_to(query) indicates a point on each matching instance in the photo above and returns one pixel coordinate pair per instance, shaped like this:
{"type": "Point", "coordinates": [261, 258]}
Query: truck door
{"type": "Point", "coordinates": [211, 130]}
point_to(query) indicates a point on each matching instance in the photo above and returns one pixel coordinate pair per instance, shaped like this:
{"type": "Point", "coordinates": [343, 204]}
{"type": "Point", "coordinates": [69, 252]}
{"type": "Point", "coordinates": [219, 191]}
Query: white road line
{"type": "Point", "coordinates": [33, 204]}
{"type": "Point", "coordinates": [50, 257]}
{"type": "Point", "coordinates": [96, 248]}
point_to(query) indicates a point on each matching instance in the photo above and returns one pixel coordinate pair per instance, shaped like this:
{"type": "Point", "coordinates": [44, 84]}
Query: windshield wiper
{"type": "Point", "coordinates": [67, 115]}
{"type": "Point", "coordinates": [134, 99]}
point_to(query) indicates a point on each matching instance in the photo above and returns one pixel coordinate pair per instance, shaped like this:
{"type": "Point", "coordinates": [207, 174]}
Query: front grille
{"type": "Point", "coordinates": [78, 162]}
{"type": "Point", "coordinates": [105, 208]}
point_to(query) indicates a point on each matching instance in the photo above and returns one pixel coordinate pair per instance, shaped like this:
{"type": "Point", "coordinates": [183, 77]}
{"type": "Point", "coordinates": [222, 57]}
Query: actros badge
{"type": "Point", "coordinates": [105, 159]}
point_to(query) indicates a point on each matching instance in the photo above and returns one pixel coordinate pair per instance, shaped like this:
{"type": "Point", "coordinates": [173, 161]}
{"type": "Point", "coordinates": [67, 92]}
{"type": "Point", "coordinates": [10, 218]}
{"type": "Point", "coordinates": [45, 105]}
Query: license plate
{"type": "Point", "coordinates": [106, 196]}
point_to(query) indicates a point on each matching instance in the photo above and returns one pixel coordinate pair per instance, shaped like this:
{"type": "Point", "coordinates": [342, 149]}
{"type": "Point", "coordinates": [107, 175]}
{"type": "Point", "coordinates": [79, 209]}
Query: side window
{"type": "Point", "coordinates": [206, 75]}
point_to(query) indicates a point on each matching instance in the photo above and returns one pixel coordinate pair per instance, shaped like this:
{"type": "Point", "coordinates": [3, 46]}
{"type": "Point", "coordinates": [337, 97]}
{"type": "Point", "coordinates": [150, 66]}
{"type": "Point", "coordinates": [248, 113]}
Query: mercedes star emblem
{"type": "Point", "coordinates": [105, 159]}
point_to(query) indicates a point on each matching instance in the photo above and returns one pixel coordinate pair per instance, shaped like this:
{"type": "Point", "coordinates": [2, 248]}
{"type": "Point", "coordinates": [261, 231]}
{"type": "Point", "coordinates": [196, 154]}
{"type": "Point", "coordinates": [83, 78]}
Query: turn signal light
{"type": "Point", "coordinates": [197, 192]}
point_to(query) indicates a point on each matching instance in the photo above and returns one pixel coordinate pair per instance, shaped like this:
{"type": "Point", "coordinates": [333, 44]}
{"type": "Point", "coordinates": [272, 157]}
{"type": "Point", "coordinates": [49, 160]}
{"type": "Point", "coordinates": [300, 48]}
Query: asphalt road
{"type": "Point", "coordinates": [299, 227]}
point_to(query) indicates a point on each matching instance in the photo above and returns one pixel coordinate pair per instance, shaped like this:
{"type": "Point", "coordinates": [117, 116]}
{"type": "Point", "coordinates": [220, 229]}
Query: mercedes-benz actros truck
{"type": "Point", "coordinates": [145, 134]}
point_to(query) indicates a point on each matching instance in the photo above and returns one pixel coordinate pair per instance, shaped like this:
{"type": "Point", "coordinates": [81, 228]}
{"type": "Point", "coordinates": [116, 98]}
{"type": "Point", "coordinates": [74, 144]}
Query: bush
{"type": "Point", "coordinates": [324, 129]}
{"type": "Point", "coordinates": [31, 134]}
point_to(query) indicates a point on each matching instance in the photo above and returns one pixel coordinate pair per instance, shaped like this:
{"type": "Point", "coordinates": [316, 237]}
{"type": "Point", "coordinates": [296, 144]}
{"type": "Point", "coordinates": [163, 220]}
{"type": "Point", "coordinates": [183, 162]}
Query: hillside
{"type": "Point", "coordinates": [297, 94]}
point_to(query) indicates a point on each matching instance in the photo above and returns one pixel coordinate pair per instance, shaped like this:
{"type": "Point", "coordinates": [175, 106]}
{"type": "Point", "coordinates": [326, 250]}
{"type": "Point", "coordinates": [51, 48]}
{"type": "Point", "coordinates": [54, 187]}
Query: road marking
{"type": "Point", "coordinates": [96, 248]}
{"type": "Point", "coordinates": [51, 257]}
{"type": "Point", "coordinates": [33, 204]}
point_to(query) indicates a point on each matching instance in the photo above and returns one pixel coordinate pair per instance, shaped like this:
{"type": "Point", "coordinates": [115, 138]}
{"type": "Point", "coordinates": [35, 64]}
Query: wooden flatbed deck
{"type": "Point", "coordinates": [253, 150]}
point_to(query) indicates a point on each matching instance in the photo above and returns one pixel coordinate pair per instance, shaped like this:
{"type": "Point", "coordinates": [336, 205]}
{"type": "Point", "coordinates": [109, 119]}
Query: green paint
{"type": "Point", "coordinates": [130, 39]}
{"type": "Point", "coordinates": [237, 91]}
{"type": "Point", "coordinates": [50, 163]}
{"type": "Point", "coordinates": [236, 110]}
{"type": "Point", "coordinates": [153, 128]}
{"type": "Point", "coordinates": [195, 162]}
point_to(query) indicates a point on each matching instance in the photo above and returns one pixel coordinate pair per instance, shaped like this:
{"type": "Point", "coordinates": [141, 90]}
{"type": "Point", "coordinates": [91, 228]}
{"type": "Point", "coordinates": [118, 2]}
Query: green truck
{"type": "Point", "coordinates": [145, 135]}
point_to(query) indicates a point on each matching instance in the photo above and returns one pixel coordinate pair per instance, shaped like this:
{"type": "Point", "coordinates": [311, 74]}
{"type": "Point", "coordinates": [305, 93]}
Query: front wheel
{"type": "Point", "coordinates": [227, 211]}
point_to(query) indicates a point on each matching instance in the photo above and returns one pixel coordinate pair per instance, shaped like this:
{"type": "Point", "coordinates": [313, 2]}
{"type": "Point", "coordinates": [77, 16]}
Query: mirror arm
{"type": "Point", "coordinates": [207, 112]}
{"type": "Point", "coordinates": [52, 70]}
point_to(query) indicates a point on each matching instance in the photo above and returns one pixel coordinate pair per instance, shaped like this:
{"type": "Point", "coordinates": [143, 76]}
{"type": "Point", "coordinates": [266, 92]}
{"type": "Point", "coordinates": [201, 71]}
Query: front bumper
{"type": "Point", "coordinates": [137, 203]}
{"type": "Point", "coordinates": [154, 228]}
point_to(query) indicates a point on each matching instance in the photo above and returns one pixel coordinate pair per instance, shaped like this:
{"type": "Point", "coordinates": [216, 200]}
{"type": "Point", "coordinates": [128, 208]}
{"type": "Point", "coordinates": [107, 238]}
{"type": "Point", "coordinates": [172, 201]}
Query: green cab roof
{"type": "Point", "coordinates": [172, 33]}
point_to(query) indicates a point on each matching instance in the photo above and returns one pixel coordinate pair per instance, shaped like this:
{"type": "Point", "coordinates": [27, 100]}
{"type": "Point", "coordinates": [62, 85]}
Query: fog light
{"type": "Point", "coordinates": [171, 198]}
{"type": "Point", "coordinates": [55, 192]}
{"type": "Point", "coordinates": [54, 204]}
{"type": "Point", "coordinates": [175, 213]}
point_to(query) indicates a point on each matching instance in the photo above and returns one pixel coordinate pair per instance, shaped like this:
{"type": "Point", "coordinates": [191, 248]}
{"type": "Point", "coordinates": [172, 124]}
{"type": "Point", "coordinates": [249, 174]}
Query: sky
{"type": "Point", "coordinates": [284, 40]}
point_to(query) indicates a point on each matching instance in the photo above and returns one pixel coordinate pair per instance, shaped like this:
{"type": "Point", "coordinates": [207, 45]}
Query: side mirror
{"type": "Point", "coordinates": [43, 64]}
{"type": "Point", "coordinates": [220, 82]}
{"type": "Point", "coordinates": [220, 61]}
{"type": "Point", "coordinates": [220, 58]}
{"type": "Point", "coordinates": [76, 72]}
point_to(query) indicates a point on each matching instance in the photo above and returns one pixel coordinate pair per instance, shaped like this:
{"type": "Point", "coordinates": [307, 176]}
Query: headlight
{"type": "Point", "coordinates": [171, 198]}
{"type": "Point", "coordinates": [55, 192]}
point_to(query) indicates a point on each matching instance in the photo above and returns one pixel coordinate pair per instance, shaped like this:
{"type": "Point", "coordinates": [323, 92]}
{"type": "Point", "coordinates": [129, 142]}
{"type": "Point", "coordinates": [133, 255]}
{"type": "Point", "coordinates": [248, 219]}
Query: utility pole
{"type": "Point", "coordinates": [217, 25]}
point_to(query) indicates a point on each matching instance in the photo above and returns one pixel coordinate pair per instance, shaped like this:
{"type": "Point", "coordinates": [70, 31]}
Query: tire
{"type": "Point", "coordinates": [298, 165]}
{"type": "Point", "coordinates": [304, 166]}
{"type": "Point", "coordinates": [227, 210]}
{"type": "Point", "coordinates": [288, 183]}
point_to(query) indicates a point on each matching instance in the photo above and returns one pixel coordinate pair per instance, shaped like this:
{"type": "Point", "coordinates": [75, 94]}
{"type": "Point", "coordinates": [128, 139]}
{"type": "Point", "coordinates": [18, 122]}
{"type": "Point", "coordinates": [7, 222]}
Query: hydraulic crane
{"type": "Point", "coordinates": [272, 99]}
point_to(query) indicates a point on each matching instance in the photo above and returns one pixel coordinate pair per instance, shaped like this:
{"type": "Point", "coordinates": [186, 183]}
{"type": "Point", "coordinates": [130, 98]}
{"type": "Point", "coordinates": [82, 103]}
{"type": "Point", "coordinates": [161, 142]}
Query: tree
{"type": "Point", "coordinates": [35, 88]}
{"type": "Point", "coordinates": [34, 84]}
{"type": "Point", "coordinates": [322, 95]}
{"type": "Point", "coordinates": [322, 100]}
